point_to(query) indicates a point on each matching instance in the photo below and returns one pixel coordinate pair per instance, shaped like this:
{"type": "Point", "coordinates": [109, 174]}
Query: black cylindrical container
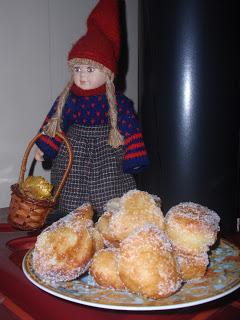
{"type": "Point", "coordinates": [188, 103]}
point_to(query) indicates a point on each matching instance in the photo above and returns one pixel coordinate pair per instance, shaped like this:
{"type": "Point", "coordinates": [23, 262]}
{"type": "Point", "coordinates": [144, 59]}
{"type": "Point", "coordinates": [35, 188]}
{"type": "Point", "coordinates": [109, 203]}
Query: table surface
{"type": "Point", "coordinates": [20, 299]}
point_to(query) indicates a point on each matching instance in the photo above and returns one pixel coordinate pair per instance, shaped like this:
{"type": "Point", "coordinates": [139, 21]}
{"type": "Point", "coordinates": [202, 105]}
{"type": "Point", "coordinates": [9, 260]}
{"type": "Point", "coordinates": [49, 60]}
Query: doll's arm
{"type": "Point", "coordinates": [46, 146]}
{"type": "Point", "coordinates": [50, 146]}
{"type": "Point", "coordinates": [135, 157]}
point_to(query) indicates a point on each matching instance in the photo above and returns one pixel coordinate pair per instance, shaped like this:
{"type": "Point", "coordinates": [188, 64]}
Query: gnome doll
{"type": "Point", "coordinates": [100, 123]}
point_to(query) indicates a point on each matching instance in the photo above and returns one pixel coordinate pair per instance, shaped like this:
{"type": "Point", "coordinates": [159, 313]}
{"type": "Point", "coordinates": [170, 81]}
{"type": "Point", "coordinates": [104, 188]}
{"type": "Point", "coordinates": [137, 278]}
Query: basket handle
{"type": "Point", "coordinates": [69, 165]}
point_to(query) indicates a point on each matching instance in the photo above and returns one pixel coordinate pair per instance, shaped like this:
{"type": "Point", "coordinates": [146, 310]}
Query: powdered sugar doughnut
{"type": "Point", "coordinates": [147, 265]}
{"type": "Point", "coordinates": [136, 208]}
{"type": "Point", "coordinates": [192, 228]}
{"type": "Point", "coordinates": [104, 269]}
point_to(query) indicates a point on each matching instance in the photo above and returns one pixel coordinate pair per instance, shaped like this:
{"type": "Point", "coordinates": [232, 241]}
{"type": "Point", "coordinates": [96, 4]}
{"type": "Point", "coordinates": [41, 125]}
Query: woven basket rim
{"type": "Point", "coordinates": [43, 203]}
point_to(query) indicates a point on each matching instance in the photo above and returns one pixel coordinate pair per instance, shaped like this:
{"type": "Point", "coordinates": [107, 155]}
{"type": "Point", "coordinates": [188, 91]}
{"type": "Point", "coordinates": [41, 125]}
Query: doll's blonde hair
{"type": "Point", "coordinates": [115, 138]}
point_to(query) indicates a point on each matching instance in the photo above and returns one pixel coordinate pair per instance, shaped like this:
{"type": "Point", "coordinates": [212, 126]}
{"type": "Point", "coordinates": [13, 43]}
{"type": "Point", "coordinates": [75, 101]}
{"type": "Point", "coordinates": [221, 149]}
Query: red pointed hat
{"type": "Point", "coordinates": [101, 43]}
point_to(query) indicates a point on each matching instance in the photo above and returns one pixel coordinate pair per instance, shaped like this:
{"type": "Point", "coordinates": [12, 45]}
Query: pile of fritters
{"type": "Point", "coordinates": [132, 247]}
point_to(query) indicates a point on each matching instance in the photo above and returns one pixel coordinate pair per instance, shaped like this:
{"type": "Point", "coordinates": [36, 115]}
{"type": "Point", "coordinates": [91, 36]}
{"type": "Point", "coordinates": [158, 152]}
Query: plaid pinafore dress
{"type": "Point", "coordinates": [96, 175]}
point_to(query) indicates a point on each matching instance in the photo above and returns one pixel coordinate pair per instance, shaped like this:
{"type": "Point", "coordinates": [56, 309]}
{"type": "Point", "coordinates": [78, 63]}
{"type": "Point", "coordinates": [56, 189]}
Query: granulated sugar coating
{"type": "Point", "coordinates": [112, 205]}
{"type": "Point", "coordinates": [192, 267]}
{"type": "Point", "coordinates": [147, 265]}
{"type": "Point", "coordinates": [64, 250]}
{"type": "Point", "coordinates": [192, 228]}
{"type": "Point", "coordinates": [63, 253]}
{"type": "Point", "coordinates": [83, 212]}
{"type": "Point", "coordinates": [102, 226]}
{"type": "Point", "coordinates": [136, 208]}
{"type": "Point", "coordinates": [104, 269]}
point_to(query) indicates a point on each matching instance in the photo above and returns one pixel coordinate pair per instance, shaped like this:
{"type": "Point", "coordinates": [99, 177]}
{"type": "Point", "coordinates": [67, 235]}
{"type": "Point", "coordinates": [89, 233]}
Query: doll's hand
{"type": "Point", "coordinates": [39, 154]}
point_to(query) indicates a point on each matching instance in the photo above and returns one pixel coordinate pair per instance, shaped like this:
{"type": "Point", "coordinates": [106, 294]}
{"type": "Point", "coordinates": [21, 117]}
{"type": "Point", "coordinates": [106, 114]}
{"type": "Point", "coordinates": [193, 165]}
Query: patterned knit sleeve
{"type": "Point", "coordinates": [50, 146]}
{"type": "Point", "coordinates": [135, 157]}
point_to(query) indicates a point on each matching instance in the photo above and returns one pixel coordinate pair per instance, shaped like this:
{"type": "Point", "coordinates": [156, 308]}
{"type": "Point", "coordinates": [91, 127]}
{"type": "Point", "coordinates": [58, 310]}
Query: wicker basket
{"type": "Point", "coordinates": [26, 213]}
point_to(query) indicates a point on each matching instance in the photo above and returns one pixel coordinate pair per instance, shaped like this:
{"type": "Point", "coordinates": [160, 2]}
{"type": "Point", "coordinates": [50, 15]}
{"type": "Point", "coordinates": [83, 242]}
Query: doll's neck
{"type": "Point", "coordinates": [92, 92]}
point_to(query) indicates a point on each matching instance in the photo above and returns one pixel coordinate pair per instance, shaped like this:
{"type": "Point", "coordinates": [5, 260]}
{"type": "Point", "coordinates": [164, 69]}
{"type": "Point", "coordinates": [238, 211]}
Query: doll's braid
{"type": "Point", "coordinates": [115, 138]}
{"type": "Point", "coordinates": [54, 124]}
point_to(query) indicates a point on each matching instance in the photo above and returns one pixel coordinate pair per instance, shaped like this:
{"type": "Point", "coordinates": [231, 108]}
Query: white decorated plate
{"type": "Point", "coordinates": [222, 278]}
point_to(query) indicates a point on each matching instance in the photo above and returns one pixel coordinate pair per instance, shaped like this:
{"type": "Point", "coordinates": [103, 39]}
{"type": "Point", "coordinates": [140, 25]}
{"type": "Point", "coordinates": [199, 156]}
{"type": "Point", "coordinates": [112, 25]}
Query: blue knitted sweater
{"type": "Point", "coordinates": [93, 111]}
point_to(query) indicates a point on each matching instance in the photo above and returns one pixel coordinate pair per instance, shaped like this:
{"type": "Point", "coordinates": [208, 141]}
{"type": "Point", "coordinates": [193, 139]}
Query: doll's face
{"type": "Point", "coordinates": [87, 77]}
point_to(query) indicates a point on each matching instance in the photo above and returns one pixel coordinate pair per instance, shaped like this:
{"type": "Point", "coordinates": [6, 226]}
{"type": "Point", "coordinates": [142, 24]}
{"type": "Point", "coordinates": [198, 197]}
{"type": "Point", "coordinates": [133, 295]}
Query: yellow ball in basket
{"type": "Point", "coordinates": [37, 188]}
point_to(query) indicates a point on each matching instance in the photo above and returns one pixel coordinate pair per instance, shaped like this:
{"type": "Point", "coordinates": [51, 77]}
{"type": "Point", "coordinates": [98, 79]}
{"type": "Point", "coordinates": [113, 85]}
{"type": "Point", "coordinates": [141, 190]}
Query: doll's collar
{"type": "Point", "coordinates": [92, 92]}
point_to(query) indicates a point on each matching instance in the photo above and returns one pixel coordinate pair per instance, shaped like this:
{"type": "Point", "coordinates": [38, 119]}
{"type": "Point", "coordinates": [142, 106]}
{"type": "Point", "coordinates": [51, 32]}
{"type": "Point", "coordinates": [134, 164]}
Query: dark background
{"type": "Point", "coordinates": [189, 103]}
